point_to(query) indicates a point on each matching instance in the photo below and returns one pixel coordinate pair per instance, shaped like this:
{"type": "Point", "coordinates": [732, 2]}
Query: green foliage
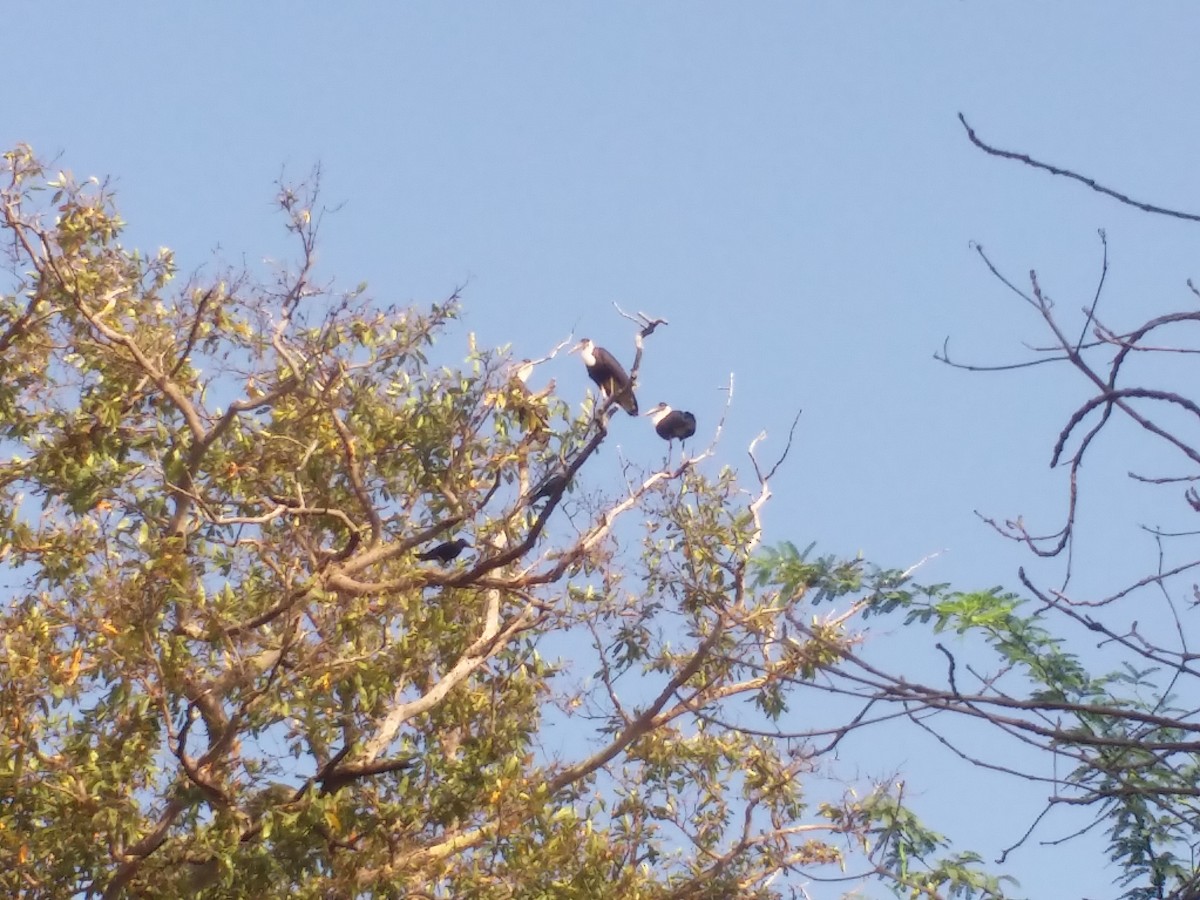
{"type": "Point", "coordinates": [789, 570]}
{"type": "Point", "coordinates": [1132, 747]}
{"type": "Point", "coordinates": [905, 849]}
{"type": "Point", "coordinates": [225, 672]}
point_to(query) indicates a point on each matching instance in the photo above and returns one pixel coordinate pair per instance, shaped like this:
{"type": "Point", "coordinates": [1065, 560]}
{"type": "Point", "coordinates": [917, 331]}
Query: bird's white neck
{"type": "Point", "coordinates": [660, 414]}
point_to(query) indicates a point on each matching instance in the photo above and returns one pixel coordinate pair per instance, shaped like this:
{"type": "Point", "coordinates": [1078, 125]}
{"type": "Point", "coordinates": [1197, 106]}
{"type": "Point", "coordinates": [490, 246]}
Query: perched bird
{"type": "Point", "coordinates": [673, 424]}
{"type": "Point", "coordinates": [554, 484]}
{"type": "Point", "coordinates": [443, 553]}
{"type": "Point", "coordinates": [603, 368]}
{"type": "Point", "coordinates": [523, 371]}
{"type": "Point", "coordinates": [530, 407]}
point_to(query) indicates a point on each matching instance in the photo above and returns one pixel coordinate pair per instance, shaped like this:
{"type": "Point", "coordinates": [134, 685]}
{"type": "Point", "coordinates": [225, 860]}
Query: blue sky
{"type": "Point", "coordinates": [786, 183]}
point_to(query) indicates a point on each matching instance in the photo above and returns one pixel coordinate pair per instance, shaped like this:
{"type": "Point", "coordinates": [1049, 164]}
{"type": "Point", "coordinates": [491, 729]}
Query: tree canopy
{"type": "Point", "coordinates": [228, 669]}
{"type": "Point", "coordinates": [307, 595]}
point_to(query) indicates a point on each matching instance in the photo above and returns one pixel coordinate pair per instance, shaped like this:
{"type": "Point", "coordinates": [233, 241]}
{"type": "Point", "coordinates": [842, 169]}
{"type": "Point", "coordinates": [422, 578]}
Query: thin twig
{"type": "Point", "coordinates": [1067, 173]}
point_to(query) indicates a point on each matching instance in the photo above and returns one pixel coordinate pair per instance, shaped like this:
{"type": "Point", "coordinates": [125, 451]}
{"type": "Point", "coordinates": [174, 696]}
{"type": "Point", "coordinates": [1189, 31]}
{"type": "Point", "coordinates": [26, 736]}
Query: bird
{"type": "Point", "coordinates": [554, 484]}
{"type": "Point", "coordinates": [603, 368]}
{"type": "Point", "coordinates": [673, 424]}
{"type": "Point", "coordinates": [523, 371]}
{"type": "Point", "coordinates": [443, 553]}
{"type": "Point", "coordinates": [530, 407]}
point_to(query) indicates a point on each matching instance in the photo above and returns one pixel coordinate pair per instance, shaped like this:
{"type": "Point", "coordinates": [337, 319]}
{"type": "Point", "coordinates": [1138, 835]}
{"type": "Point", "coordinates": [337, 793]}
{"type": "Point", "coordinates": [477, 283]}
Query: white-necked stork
{"type": "Point", "coordinates": [672, 424]}
{"type": "Point", "coordinates": [523, 371]}
{"type": "Point", "coordinates": [527, 404]}
{"type": "Point", "coordinates": [610, 375]}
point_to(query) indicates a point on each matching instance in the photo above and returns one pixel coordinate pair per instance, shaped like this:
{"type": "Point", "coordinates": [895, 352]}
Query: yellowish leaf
{"type": "Point", "coordinates": [73, 673]}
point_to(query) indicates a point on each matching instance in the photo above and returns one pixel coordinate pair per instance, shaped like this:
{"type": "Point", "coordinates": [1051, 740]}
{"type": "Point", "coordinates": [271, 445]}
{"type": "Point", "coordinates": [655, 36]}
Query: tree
{"type": "Point", "coordinates": [228, 672]}
{"type": "Point", "coordinates": [1122, 743]}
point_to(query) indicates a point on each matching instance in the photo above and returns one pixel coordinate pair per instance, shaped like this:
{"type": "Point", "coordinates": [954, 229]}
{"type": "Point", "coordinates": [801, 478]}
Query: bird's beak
{"type": "Point", "coordinates": [576, 348]}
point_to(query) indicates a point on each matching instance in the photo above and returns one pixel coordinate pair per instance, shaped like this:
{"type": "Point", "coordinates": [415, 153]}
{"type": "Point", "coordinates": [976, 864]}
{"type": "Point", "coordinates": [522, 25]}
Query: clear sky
{"type": "Point", "coordinates": [786, 183]}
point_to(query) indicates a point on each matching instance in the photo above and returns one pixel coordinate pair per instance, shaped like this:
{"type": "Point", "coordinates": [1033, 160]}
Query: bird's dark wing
{"type": "Point", "coordinates": [550, 487]}
{"type": "Point", "coordinates": [443, 552]}
{"type": "Point", "coordinates": [616, 381]}
{"type": "Point", "coordinates": [612, 369]}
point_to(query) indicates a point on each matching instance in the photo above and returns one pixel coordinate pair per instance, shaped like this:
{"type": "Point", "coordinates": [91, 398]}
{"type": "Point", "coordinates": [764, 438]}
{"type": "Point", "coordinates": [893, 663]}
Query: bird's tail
{"type": "Point", "coordinates": [624, 398]}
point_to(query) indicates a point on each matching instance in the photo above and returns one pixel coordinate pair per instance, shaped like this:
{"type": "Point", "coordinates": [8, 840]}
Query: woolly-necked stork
{"type": "Point", "coordinates": [672, 424]}
{"type": "Point", "coordinates": [610, 375]}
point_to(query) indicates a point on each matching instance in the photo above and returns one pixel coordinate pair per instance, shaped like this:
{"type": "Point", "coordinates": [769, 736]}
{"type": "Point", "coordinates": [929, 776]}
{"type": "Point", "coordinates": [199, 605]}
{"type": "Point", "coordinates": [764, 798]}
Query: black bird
{"type": "Point", "coordinates": [673, 424]}
{"type": "Point", "coordinates": [554, 484]}
{"type": "Point", "coordinates": [610, 375]}
{"type": "Point", "coordinates": [443, 553]}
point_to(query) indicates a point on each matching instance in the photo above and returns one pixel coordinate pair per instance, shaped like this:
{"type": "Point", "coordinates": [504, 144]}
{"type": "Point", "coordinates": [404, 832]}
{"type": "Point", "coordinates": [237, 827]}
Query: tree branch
{"type": "Point", "coordinates": [1067, 173]}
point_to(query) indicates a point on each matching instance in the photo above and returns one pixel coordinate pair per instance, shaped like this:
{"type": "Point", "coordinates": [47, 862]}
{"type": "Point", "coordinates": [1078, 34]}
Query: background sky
{"type": "Point", "coordinates": [787, 184]}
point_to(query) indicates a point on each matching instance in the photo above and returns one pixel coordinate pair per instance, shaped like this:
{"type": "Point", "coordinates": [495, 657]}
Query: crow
{"type": "Point", "coordinates": [443, 553]}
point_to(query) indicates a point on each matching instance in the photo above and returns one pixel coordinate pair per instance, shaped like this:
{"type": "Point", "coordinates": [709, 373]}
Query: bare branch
{"type": "Point", "coordinates": [1067, 173]}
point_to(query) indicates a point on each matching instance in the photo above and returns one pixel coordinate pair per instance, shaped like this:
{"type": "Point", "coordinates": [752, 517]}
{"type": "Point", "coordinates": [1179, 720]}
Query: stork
{"type": "Point", "coordinates": [609, 375]}
{"type": "Point", "coordinates": [444, 553]}
{"type": "Point", "coordinates": [528, 405]}
{"type": "Point", "coordinates": [672, 424]}
{"type": "Point", "coordinates": [523, 371]}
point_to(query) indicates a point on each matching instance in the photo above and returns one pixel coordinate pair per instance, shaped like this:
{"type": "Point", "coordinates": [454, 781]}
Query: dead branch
{"type": "Point", "coordinates": [1067, 173]}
